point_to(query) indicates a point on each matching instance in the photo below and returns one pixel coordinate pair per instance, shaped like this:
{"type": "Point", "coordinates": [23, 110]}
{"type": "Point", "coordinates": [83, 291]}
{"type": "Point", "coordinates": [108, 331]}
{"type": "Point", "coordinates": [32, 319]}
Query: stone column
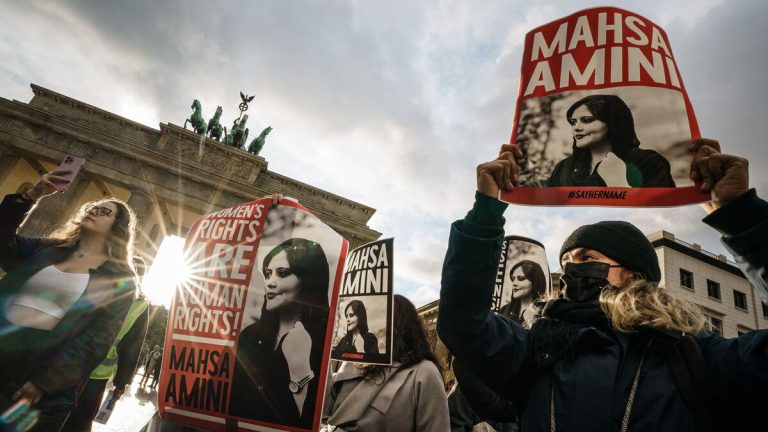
{"type": "Point", "coordinates": [7, 164]}
{"type": "Point", "coordinates": [141, 203]}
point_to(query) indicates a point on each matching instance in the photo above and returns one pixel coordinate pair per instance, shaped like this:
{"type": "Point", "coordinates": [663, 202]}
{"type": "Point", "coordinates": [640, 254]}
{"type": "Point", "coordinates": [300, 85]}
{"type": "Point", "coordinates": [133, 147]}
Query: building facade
{"type": "Point", "coordinates": [170, 176]}
{"type": "Point", "coordinates": [715, 283]}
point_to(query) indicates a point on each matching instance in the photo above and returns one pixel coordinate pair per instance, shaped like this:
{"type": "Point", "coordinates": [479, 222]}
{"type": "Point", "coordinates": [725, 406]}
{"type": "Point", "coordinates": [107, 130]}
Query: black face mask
{"type": "Point", "coordinates": [584, 281]}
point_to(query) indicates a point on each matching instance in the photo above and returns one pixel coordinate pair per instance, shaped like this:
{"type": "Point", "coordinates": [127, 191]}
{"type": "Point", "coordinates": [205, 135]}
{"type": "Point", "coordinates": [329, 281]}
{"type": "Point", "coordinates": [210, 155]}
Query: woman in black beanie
{"type": "Point", "coordinates": [615, 351]}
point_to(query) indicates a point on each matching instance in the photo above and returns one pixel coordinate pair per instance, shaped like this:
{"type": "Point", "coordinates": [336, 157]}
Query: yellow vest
{"type": "Point", "coordinates": [108, 368]}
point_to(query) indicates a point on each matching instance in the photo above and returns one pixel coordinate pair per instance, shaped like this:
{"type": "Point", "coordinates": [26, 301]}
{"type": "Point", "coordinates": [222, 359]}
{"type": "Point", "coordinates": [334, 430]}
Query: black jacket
{"type": "Point", "coordinates": [261, 378]}
{"type": "Point", "coordinates": [592, 389]}
{"type": "Point", "coordinates": [129, 350]}
{"type": "Point", "coordinates": [370, 344]}
{"type": "Point", "coordinates": [744, 226]}
{"type": "Point", "coordinates": [645, 168]}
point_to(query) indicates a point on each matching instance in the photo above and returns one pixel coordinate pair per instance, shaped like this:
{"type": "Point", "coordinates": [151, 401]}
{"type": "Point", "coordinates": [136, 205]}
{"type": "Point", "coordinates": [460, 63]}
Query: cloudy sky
{"type": "Point", "coordinates": [392, 104]}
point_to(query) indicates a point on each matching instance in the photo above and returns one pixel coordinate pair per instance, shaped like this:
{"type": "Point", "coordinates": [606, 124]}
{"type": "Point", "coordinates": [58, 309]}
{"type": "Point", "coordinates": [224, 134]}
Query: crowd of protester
{"type": "Point", "coordinates": [610, 350]}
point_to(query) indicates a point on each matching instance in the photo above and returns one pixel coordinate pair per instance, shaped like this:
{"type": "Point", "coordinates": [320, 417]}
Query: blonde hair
{"type": "Point", "coordinates": [120, 242]}
{"type": "Point", "coordinates": [644, 304]}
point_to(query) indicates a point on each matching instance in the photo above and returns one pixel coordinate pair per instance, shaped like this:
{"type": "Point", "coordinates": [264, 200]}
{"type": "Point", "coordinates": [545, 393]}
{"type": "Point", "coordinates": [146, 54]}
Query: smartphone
{"type": "Point", "coordinates": [18, 418]}
{"type": "Point", "coordinates": [15, 412]}
{"type": "Point", "coordinates": [73, 164]}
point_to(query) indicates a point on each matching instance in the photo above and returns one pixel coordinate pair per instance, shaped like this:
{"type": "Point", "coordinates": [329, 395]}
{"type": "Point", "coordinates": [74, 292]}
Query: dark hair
{"type": "Point", "coordinates": [308, 262]}
{"type": "Point", "coordinates": [358, 308]}
{"type": "Point", "coordinates": [534, 273]}
{"type": "Point", "coordinates": [612, 111]}
{"type": "Point", "coordinates": [410, 344]}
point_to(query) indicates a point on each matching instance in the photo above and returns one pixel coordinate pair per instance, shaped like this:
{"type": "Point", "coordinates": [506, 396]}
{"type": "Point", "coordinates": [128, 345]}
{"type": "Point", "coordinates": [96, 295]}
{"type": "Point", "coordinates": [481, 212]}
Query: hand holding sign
{"type": "Point", "coordinates": [276, 198]}
{"type": "Point", "coordinates": [727, 175]}
{"type": "Point", "coordinates": [501, 173]}
{"type": "Point", "coordinates": [613, 171]}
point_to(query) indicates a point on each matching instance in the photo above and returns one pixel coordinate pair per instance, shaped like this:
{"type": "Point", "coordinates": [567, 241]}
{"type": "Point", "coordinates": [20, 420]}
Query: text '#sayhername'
{"type": "Point", "coordinates": [616, 195]}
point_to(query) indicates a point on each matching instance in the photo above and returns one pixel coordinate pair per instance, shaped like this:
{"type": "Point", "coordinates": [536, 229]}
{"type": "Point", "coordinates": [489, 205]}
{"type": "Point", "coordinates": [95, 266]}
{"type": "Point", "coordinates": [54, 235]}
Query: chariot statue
{"type": "Point", "coordinates": [215, 129]}
{"type": "Point", "coordinates": [196, 119]}
{"type": "Point", "coordinates": [239, 133]}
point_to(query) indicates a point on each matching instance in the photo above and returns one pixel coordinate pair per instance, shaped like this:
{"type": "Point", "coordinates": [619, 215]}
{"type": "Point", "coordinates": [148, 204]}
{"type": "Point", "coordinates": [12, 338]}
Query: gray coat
{"type": "Point", "coordinates": [408, 398]}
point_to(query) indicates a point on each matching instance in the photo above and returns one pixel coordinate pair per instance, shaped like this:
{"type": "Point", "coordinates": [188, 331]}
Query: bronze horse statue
{"type": "Point", "coordinates": [196, 119]}
{"type": "Point", "coordinates": [215, 129]}
{"type": "Point", "coordinates": [258, 143]}
{"type": "Point", "coordinates": [239, 133]}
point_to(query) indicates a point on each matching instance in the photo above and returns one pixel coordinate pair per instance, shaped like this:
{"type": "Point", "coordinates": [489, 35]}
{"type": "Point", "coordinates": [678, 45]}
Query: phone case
{"type": "Point", "coordinates": [73, 164]}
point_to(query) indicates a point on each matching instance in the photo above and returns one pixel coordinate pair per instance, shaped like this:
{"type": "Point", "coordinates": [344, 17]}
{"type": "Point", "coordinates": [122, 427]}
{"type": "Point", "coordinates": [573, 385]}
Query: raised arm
{"type": "Point", "coordinates": [736, 211]}
{"type": "Point", "coordinates": [485, 342]}
{"type": "Point", "coordinates": [737, 368]}
{"type": "Point", "coordinates": [14, 210]}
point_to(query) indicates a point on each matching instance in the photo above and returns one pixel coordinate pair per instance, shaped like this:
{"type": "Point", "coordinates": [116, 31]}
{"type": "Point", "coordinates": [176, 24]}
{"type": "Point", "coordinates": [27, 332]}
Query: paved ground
{"type": "Point", "coordinates": [133, 410]}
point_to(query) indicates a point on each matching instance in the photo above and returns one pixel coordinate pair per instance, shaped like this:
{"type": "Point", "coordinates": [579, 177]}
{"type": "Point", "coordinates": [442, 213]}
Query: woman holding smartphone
{"type": "Point", "coordinates": [63, 298]}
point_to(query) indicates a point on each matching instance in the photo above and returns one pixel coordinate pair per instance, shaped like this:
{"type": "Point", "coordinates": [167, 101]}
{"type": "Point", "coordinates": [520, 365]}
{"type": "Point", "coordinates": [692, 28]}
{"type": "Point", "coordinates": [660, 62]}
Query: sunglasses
{"type": "Point", "coordinates": [98, 210]}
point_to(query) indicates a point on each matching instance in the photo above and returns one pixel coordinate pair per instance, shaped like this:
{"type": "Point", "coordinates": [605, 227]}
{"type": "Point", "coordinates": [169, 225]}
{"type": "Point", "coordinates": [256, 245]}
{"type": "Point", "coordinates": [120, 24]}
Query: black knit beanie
{"type": "Point", "coordinates": [620, 241]}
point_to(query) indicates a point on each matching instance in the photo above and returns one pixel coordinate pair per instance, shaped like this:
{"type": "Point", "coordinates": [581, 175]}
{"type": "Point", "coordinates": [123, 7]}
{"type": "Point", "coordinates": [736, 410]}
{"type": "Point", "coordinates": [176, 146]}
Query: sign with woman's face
{"type": "Point", "coordinates": [249, 335]}
{"type": "Point", "coordinates": [602, 117]}
{"type": "Point", "coordinates": [522, 277]}
{"type": "Point", "coordinates": [363, 330]}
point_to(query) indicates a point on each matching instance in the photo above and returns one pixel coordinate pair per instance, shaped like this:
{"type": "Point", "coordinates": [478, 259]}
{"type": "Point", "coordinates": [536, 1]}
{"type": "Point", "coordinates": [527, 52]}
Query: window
{"type": "Point", "coordinates": [716, 325]}
{"type": "Point", "coordinates": [686, 279]}
{"type": "Point", "coordinates": [740, 300]}
{"type": "Point", "coordinates": [765, 310]}
{"type": "Point", "coordinates": [713, 289]}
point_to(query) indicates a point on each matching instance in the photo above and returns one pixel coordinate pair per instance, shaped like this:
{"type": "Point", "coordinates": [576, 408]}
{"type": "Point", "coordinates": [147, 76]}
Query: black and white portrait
{"type": "Point", "coordinates": [616, 137]}
{"type": "Point", "coordinates": [282, 340]}
{"type": "Point", "coordinates": [361, 325]}
{"type": "Point", "coordinates": [525, 278]}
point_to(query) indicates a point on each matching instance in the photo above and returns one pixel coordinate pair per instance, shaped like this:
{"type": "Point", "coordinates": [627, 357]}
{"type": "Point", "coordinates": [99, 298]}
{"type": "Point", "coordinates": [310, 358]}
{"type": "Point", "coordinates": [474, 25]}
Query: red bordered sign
{"type": "Point", "coordinates": [602, 115]}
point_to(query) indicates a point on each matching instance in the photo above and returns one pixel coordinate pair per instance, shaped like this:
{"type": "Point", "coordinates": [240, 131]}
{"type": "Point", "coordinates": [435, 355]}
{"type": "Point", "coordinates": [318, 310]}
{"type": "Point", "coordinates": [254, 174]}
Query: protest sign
{"type": "Point", "coordinates": [523, 275]}
{"type": "Point", "coordinates": [602, 115]}
{"type": "Point", "coordinates": [248, 339]}
{"type": "Point", "coordinates": [363, 330]}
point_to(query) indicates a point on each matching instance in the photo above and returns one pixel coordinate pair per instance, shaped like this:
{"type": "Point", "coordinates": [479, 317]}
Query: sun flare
{"type": "Point", "coordinates": [167, 271]}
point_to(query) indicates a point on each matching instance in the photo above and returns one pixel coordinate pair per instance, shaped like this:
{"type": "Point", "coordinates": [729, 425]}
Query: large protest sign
{"type": "Point", "coordinates": [522, 277]}
{"type": "Point", "coordinates": [363, 330]}
{"type": "Point", "coordinates": [249, 330]}
{"type": "Point", "coordinates": [602, 115]}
